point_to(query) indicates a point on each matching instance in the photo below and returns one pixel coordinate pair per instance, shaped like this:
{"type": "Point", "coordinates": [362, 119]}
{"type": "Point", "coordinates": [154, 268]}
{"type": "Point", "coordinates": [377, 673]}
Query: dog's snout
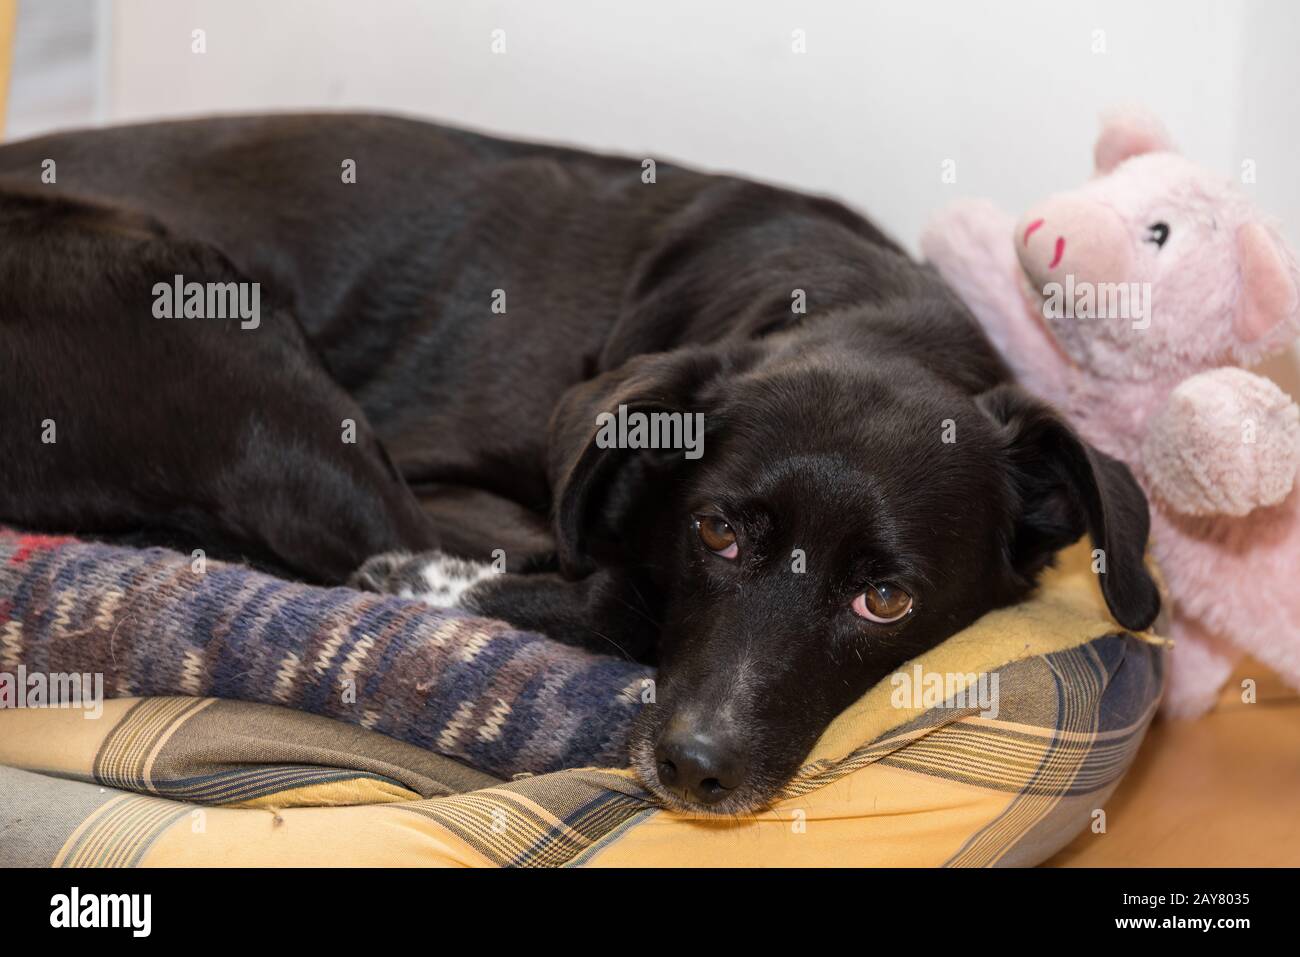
{"type": "Point", "coordinates": [702, 767]}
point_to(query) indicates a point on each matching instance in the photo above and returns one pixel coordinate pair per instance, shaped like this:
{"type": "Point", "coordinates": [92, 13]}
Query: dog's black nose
{"type": "Point", "coordinates": [700, 766]}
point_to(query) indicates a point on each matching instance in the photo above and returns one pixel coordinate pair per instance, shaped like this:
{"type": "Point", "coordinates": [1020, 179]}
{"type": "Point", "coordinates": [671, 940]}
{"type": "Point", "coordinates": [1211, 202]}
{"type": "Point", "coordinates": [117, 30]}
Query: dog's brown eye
{"type": "Point", "coordinates": [717, 536]}
{"type": "Point", "coordinates": [882, 603]}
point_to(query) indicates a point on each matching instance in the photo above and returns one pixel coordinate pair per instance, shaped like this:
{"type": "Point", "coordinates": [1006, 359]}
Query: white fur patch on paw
{"type": "Point", "coordinates": [441, 580]}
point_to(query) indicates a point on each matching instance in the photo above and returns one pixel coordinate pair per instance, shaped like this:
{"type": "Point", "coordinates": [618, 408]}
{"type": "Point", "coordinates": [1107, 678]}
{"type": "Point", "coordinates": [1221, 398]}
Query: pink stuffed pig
{"type": "Point", "coordinates": [1130, 302]}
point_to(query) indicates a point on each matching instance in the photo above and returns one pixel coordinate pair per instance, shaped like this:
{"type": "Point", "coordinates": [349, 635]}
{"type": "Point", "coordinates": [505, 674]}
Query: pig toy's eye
{"type": "Point", "coordinates": [1157, 233]}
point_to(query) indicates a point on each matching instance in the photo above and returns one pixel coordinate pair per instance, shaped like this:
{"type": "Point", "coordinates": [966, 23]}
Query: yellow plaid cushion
{"type": "Point", "coordinates": [921, 771]}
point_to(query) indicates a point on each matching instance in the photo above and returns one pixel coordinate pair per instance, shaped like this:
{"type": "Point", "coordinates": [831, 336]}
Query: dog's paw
{"type": "Point", "coordinates": [377, 572]}
{"type": "Point", "coordinates": [431, 577]}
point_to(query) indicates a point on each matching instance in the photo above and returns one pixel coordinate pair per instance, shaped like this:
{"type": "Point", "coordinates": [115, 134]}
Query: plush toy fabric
{"type": "Point", "coordinates": [1130, 302]}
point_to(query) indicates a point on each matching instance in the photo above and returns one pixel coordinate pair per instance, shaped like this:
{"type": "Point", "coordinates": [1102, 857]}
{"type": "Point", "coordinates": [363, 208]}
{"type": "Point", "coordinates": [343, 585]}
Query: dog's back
{"type": "Point", "coordinates": [445, 276]}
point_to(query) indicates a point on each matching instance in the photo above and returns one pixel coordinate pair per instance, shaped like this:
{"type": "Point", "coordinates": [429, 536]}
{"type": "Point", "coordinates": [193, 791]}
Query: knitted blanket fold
{"type": "Point", "coordinates": [502, 700]}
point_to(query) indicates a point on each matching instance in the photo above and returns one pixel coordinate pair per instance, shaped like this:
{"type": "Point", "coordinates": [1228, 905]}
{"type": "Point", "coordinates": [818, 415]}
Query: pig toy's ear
{"type": "Point", "coordinates": [1269, 298]}
{"type": "Point", "coordinates": [1127, 133]}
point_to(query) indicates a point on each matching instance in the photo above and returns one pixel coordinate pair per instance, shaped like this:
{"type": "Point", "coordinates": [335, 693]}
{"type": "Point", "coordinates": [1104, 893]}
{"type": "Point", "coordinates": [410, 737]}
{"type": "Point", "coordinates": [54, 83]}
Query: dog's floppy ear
{"type": "Point", "coordinates": [1064, 487]}
{"type": "Point", "coordinates": [589, 479]}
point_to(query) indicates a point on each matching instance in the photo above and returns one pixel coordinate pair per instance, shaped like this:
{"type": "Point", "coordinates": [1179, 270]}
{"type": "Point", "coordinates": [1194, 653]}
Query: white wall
{"type": "Point", "coordinates": [884, 94]}
{"type": "Point", "coordinates": [55, 67]}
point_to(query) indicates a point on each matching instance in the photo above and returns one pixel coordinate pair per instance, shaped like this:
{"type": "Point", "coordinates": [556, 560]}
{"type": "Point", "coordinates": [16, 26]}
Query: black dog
{"type": "Point", "coordinates": [866, 482]}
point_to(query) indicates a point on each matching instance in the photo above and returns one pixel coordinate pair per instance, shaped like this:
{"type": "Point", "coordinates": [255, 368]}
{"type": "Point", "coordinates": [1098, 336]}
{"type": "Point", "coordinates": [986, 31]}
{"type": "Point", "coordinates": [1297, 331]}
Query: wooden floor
{"type": "Point", "coordinates": [1220, 791]}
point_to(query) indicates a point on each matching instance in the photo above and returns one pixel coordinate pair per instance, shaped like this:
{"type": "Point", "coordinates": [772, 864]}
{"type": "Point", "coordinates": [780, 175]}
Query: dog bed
{"type": "Point", "coordinates": [200, 765]}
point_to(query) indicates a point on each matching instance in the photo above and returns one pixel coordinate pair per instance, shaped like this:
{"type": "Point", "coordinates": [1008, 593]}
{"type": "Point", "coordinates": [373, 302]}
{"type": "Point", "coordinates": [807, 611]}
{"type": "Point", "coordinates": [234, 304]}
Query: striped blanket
{"type": "Point", "coordinates": [165, 780]}
{"type": "Point", "coordinates": [155, 622]}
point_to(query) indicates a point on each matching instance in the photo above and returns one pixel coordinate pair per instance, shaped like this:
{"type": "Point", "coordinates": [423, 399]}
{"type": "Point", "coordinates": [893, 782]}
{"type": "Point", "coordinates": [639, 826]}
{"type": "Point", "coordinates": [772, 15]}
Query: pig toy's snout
{"type": "Point", "coordinates": [1073, 237]}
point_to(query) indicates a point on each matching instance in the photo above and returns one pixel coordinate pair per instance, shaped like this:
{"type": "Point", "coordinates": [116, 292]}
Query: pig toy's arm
{"type": "Point", "coordinates": [971, 245]}
{"type": "Point", "coordinates": [1225, 442]}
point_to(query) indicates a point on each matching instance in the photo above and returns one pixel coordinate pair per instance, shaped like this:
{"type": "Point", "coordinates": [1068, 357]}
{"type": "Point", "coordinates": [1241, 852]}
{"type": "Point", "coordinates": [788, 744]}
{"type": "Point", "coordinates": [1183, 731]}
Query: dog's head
{"type": "Point", "coordinates": [847, 510]}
